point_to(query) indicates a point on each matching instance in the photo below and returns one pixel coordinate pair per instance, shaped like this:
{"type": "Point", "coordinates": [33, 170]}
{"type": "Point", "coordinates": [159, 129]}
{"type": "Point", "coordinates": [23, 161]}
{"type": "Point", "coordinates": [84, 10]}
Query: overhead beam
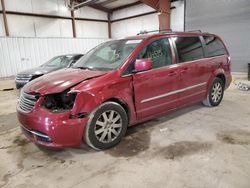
{"type": "Point", "coordinates": [76, 5]}
{"type": "Point", "coordinates": [51, 16]}
{"type": "Point", "coordinates": [151, 3]}
{"type": "Point", "coordinates": [135, 16]}
{"type": "Point", "coordinates": [127, 6]}
{"type": "Point", "coordinates": [107, 2]}
{"type": "Point", "coordinates": [99, 7]}
{"type": "Point", "coordinates": [5, 19]}
{"type": "Point", "coordinates": [90, 3]}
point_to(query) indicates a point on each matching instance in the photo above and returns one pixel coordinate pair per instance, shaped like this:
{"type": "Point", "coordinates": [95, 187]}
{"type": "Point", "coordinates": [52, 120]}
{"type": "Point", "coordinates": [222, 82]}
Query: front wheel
{"type": "Point", "coordinates": [215, 93]}
{"type": "Point", "coordinates": [107, 125]}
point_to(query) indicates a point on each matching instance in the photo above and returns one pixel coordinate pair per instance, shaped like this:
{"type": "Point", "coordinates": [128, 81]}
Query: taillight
{"type": "Point", "coordinates": [229, 62]}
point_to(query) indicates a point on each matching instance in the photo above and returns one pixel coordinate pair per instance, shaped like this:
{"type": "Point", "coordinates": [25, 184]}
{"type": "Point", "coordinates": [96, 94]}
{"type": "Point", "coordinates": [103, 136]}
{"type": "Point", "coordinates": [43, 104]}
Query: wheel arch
{"type": "Point", "coordinates": [218, 73]}
{"type": "Point", "coordinates": [123, 104]}
{"type": "Point", "coordinates": [222, 77]}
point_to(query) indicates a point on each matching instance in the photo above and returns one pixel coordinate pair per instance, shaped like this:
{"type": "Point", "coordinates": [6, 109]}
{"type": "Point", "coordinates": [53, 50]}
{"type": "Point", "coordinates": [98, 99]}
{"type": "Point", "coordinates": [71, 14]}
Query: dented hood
{"type": "Point", "coordinates": [60, 80]}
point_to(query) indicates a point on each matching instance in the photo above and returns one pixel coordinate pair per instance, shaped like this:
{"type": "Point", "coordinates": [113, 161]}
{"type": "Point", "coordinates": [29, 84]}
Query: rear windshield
{"type": "Point", "coordinates": [213, 46]}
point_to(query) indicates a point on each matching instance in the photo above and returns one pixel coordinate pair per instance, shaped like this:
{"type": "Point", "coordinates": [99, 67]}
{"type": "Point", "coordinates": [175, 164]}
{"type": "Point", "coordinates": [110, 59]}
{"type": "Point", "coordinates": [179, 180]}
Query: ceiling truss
{"type": "Point", "coordinates": [101, 5]}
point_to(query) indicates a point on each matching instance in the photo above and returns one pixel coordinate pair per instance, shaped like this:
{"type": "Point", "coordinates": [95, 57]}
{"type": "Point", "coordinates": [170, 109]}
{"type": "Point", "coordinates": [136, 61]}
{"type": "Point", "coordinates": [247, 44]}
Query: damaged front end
{"type": "Point", "coordinates": [59, 102]}
{"type": "Point", "coordinates": [63, 102]}
{"type": "Point", "coordinates": [59, 116]}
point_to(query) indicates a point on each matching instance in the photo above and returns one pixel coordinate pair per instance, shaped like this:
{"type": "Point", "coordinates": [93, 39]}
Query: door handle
{"type": "Point", "coordinates": [172, 73]}
{"type": "Point", "coordinates": [184, 70]}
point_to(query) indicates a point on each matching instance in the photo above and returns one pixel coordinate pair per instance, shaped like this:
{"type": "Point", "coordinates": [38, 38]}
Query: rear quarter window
{"type": "Point", "coordinates": [213, 46]}
{"type": "Point", "coordinates": [188, 48]}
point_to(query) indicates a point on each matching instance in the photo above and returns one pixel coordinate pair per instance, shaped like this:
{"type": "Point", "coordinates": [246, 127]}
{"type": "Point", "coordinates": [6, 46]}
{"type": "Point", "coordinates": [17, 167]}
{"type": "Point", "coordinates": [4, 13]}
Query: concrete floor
{"type": "Point", "coordinates": [193, 147]}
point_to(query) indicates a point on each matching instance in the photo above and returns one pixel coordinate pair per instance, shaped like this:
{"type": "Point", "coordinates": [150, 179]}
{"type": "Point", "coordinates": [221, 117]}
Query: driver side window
{"type": "Point", "coordinates": [159, 51]}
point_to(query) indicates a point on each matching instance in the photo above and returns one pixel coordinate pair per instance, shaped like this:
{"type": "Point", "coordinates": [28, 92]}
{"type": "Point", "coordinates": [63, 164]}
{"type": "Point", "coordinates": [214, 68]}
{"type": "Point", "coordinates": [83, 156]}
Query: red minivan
{"type": "Point", "coordinates": [121, 83]}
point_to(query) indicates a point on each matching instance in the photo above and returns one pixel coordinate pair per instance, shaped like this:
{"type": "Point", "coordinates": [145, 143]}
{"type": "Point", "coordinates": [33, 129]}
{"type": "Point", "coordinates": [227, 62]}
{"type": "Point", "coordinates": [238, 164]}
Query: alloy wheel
{"type": "Point", "coordinates": [216, 92]}
{"type": "Point", "coordinates": [108, 126]}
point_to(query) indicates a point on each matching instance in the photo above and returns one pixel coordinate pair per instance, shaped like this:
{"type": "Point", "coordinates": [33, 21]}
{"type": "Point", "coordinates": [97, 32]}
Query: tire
{"type": "Point", "coordinates": [106, 127]}
{"type": "Point", "coordinates": [215, 93]}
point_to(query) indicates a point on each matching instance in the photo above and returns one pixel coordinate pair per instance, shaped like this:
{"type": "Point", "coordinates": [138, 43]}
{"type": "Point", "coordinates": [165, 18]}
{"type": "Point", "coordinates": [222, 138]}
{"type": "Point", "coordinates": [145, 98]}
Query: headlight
{"type": "Point", "coordinates": [59, 102]}
{"type": "Point", "coordinates": [36, 76]}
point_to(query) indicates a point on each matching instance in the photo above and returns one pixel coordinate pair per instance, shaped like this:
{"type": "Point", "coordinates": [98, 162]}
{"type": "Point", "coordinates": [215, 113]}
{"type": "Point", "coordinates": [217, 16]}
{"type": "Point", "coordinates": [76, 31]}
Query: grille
{"type": "Point", "coordinates": [23, 77]}
{"type": "Point", "coordinates": [27, 101]}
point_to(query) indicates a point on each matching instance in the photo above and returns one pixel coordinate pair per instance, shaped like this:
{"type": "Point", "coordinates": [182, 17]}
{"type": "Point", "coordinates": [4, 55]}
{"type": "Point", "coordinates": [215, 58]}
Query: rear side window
{"type": "Point", "coordinates": [213, 46]}
{"type": "Point", "coordinates": [188, 48]}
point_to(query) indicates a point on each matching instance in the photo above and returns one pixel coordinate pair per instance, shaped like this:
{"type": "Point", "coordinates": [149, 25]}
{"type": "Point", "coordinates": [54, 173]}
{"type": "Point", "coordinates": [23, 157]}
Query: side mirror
{"type": "Point", "coordinates": [143, 65]}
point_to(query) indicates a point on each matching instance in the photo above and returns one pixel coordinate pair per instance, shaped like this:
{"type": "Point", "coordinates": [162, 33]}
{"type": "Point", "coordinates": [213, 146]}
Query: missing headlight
{"type": "Point", "coordinates": [60, 101]}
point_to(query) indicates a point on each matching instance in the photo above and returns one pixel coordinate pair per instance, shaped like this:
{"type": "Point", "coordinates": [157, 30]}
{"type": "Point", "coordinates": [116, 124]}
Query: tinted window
{"type": "Point", "coordinates": [213, 47]}
{"type": "Point", "coordinates": [159, 51]}
{"type": "Point", "coordinates": [188, 48]}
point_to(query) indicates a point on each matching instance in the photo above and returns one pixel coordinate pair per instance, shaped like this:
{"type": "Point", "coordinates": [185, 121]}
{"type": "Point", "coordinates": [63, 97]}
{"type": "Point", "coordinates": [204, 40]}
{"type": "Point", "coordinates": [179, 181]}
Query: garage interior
{"type": "Point", "coordinates": [196, 146]}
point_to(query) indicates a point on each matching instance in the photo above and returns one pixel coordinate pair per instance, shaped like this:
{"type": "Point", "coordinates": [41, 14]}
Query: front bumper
{"type": "Point", "coordinates": [20, 84]}
{"type": "Point", "coordinates": [228, 80]}
{"type": "Point", "coordinates": [49, 129]}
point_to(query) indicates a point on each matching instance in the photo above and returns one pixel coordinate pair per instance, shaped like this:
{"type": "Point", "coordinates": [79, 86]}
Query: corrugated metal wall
{"type": "Point", "coordinates": [149, 22]}
{"type": "Point", "coordinates": [177, 16]}
{"type": "Point", "coordinates": [17, 54]}
{"type": "Point", "coordinates": [130, 27]}
{"type": "Point", "coordinates": [230, 19]}
{"type": "Point", "coordinates": [31, 26]}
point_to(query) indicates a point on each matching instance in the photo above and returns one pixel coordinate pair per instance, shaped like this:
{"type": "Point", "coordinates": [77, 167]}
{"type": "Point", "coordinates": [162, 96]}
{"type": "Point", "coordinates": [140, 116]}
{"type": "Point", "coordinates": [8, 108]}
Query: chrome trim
{"type": "Point", "coordinates": [176, 64]}
{"type": "Point", "coordinates": [26, 102]}
{"type": "Point", "coordinates": [36, 133]}
{"type": "Point", "coordinates": [153, 69]}
{"type": "Point", "coordinates": [172, 92]}
{"type": "Point", "coordinates": [202, 59]}
{"type": "Point", "coordinates": [22, 81]}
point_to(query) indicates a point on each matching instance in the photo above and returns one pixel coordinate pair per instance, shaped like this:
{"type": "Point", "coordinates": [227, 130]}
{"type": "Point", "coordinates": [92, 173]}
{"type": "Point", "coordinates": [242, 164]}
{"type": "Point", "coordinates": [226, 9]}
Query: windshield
{"type": "Point", "coordinates": [107, 56]}
{"type": "Point", "coordinates": [61, 61]}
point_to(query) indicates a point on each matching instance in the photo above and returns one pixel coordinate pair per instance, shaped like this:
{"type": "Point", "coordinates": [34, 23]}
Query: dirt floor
{"type": "Point", "coordinates": [194, 147]}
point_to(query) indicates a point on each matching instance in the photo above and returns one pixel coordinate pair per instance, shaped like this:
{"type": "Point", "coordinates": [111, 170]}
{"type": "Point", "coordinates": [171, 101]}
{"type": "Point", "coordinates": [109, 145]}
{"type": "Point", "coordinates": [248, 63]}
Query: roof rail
{"type": "Point", "coordinates": [154, 31]}
{"type": "Point", "coordinates": [195, 31]}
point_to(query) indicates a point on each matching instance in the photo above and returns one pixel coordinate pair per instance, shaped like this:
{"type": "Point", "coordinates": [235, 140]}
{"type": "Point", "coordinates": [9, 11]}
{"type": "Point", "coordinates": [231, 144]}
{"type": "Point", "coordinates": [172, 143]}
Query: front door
{"type": "Point", "coordinates": [154, 90]}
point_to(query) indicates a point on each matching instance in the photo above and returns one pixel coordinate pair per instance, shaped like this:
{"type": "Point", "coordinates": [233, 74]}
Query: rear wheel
{"type": "Point", "coordinates": [215, 93]}
{"type": "Point", "coordinates": [107, 125]}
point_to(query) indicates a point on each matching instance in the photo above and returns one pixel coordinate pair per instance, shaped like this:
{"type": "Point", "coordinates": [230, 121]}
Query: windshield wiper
{"type": "Point", "coordinates": [85, 68]}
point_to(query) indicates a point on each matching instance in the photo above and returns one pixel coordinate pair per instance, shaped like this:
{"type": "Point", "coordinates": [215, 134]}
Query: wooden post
{"type": "Point", "coordinates": [5, 19]}
{"type": "Point", "coordinates": [73, 23]}
{"type": "Point", "coordinates": [109, 25]}
{"type": "Point", "coordinates": [164, 16]}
